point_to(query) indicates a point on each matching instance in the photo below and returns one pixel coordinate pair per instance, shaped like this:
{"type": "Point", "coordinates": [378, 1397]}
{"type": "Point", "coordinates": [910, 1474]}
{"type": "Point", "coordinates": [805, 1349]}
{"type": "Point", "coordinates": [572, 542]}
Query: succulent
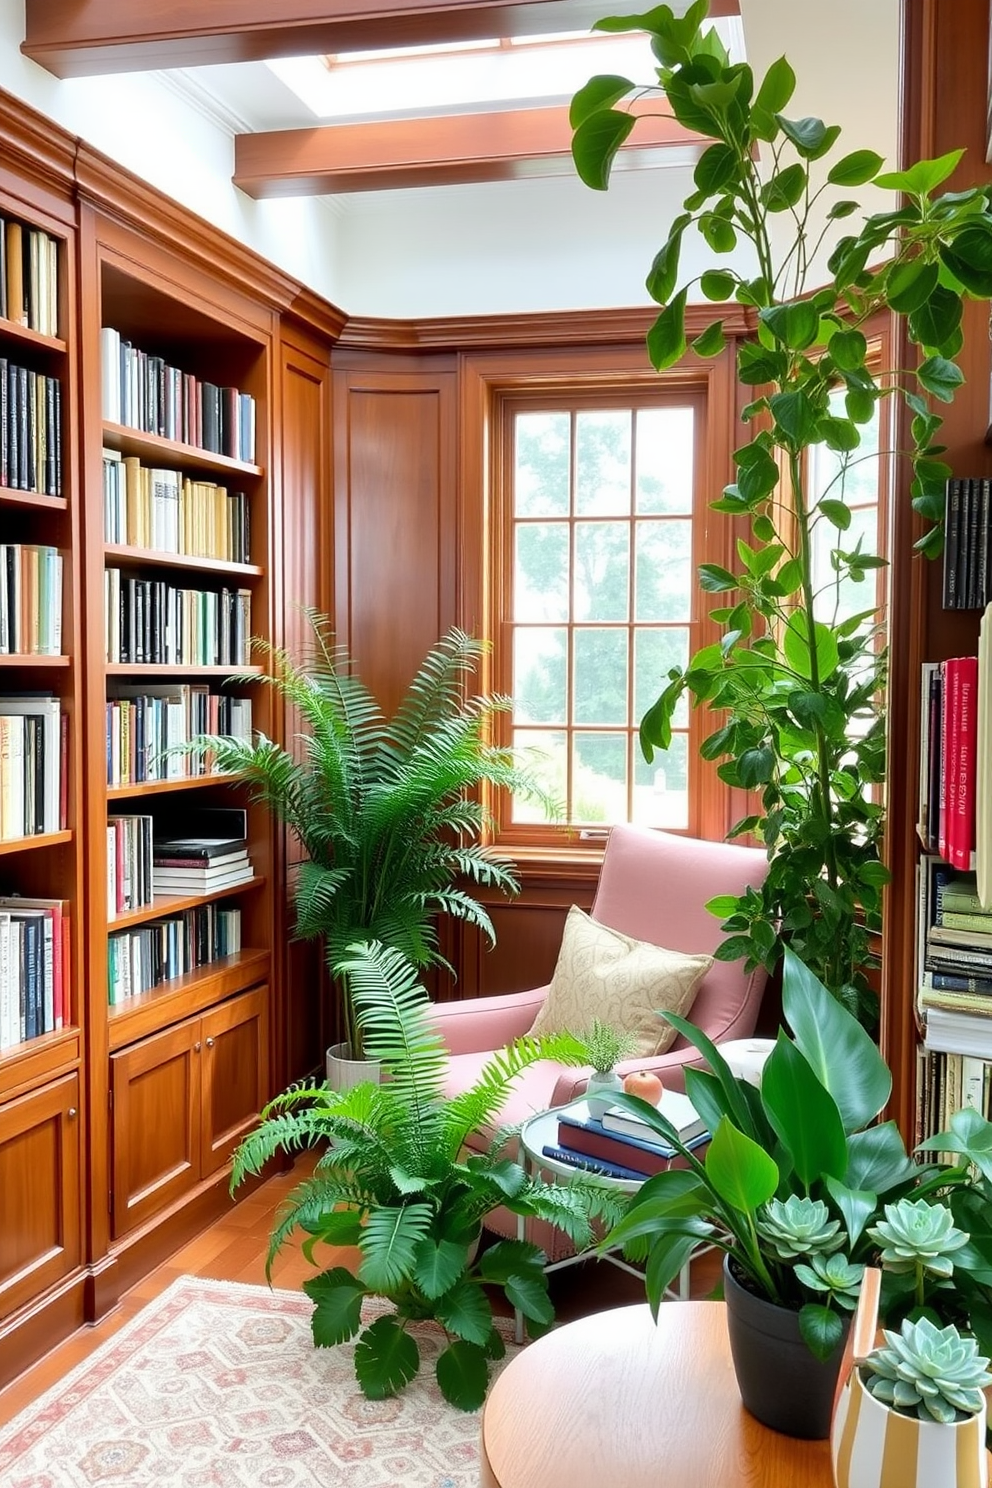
{"type": "Point", "coordinates": [916, 1234]}
{"type": "Point", "coordinates": [605, 1045]}
{"type": "Point", "coordinates": [929, 1372]}
{"type": "Point", "coordinates": [798, 1227]}
{"type": "Point", "coordinates": [834, 1275]}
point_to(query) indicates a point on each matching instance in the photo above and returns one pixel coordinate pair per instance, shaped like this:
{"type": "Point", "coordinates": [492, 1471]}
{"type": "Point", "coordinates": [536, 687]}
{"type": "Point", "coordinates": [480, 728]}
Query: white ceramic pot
{"type": "Point", "coordinates": [874, 1447]}
{"type": "Point", "coordinates": [343, 1072]}
{"type": "Point", "coordinates": [599, 1091]}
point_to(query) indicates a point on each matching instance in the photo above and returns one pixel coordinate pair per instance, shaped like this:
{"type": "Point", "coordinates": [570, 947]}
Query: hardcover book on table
{"type": "Point", "coordinates": [674, 1106]}
{"type": "Point", "coordinates": [582, 1133]}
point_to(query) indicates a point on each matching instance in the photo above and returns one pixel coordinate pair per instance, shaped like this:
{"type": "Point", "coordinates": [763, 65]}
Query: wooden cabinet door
{"type": "Point", "coordinates": [39, 1191]}
{"type": "Point", "coordinates": [233, 1072]}
{"type": "Point", "coordinates": [155, 1087]}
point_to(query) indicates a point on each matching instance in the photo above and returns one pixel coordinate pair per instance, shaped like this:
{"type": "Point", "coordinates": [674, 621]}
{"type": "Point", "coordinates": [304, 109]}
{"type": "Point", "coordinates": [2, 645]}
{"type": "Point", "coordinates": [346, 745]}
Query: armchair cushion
{"type": "Point", "coordinates": [602, 973]}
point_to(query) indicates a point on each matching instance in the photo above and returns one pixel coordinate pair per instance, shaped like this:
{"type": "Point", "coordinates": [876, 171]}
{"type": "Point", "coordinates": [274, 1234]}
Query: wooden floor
{"type": "Point", "coordinates": [234, 1249]}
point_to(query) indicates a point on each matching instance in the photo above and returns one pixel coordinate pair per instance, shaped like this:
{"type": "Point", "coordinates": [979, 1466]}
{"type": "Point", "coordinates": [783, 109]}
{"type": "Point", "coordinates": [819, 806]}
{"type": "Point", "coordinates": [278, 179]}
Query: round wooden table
{"type": "Point", "coordinates": [618, 1399]}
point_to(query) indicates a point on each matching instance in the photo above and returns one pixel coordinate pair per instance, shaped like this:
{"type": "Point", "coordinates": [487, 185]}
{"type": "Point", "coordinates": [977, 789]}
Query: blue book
{"type": "Point", "coordinates": [595, 1165]}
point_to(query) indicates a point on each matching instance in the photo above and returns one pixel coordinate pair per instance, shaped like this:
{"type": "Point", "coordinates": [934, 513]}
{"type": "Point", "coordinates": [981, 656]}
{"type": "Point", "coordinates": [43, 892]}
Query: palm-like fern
{"type": "Point", "coordinates": [396, 1181]}
{"type": "Point", "coordinates": [388, 809]}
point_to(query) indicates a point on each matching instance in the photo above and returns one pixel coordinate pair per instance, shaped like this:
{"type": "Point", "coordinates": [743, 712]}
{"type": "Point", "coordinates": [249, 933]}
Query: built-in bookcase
{"type": "Point", "coordinates": [42, 1024]}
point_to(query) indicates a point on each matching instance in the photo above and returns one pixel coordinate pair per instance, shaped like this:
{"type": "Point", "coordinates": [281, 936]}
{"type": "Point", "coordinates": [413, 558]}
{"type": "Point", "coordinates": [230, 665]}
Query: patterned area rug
{"type": "Point", "coordinates": [218, 1385]}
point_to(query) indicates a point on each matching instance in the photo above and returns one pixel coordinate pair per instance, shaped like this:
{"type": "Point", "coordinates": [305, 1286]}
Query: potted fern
{"type": "Point", "coordinates": [388, 810]}
{"type": "Point", "coordinates": [395, 1180]}
{"type": "Point", "coordinates": [603, 1047]}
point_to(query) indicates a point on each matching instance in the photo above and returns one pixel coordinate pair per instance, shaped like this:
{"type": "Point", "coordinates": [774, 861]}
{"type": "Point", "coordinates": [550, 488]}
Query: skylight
{"type": "Point", "coordinates": [470, 76]}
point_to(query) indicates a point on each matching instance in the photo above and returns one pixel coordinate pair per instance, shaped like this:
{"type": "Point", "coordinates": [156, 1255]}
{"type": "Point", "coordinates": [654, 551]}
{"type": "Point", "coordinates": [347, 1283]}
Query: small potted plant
{"type": "Point", "coordinates": [395, 1180]}
{"type": "Point", "coordinates": [604, 1046]}
{"type": "Point", "coordinates": [929, 1378]}
{"type": "Point", "coordinates": [801, 1187]}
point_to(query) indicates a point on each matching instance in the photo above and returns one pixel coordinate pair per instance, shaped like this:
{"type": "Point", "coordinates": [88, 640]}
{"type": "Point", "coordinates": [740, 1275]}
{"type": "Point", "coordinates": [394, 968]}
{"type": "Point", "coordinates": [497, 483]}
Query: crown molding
{"type": "Point", "coordinates": [557, 328]}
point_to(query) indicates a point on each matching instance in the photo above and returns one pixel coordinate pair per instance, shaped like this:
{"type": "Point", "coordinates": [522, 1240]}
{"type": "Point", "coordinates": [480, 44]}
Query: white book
{"type": "Point", "coordinates": [110, 374]}
{"type": "Point", "coordinates": [12, 783]}
{"type": "Point", "coordinates": [959, 1033]}
{"type": "Point", "coordinates": [50, 709]}
{"type": "Point", "coordinates": [973, 1082]}
{"type": "Point", "coordinates": [674, 1106]}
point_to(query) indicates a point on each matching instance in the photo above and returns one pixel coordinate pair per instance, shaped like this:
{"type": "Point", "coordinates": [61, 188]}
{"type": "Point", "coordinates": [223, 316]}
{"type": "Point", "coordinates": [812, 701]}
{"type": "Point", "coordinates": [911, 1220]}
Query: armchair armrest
{"type": "Point", "coordinates": [480, 1024]}
{"type": "Point", "coordinates": [669, 1068]}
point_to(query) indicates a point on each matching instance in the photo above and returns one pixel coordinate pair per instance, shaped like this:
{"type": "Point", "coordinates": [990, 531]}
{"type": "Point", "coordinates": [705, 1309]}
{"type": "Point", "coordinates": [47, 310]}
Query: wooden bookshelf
{"type": "Point", "coordinates": [166, 904]}
{"type": "Point", "coordinates": [172, 451]}
{"type": "Point", "coordinates": [153, 557]}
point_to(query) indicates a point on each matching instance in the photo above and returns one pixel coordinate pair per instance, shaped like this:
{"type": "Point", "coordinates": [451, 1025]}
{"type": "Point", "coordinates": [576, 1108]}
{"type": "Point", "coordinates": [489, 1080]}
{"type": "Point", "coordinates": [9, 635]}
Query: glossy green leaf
{"type": "Point", "coordinates": [969, 258]}
{"type": "Point", "coordinates": [718, 233]}
{"type": "Point", "coordinates": [437, 1265]}
{"type": "Point", "coordinates": [940, 377]}
{"type": "Point", "coordinates": [717, 284]}
{"type": "Point", "coordinates": [841, 1053]}
{"type": "Point", "coordinates": [777, 87]}
{"type": "Point", "coordinates": [337, 1297]}
{"type": "Point", "coordinates": [803, 1114]}
{"type": "Point", "coordinates": [595, 144]}
{"type": "Point", "coordinates": [600, 92]}
{"type": "Point", "coordinates": [784, 189]}
{"type": "Point", "coordinates": [716, 169]}
{"type": "Point", "coordinates": [666, 338]}
{"type": "Point", "coordinates": [923, 177]}
{"type": "Point", "coordinates": [836, 513]}
{"type": "Point", "coordinates": [801, 655]}
{"type": "Point", "coordinates": [741, 1172]}
{"type": "Point", "coordinates": [462, 1371]}
{"type": "Point", "coordinates": [848, 349]}
{"type": "Point", "coordinates": [714, 579]}
{"type": "Point", "coordinates": [386, 1358]}
{"type": "Point", "coordinates": [857, 1206]}
{"type": "Point", "coordinates": [664, 271]}
{"type": "Point", "coordinates": [822, 1329]}
{"type": "Point", "coordinates": [465, 1310]}
{"type": "Point", "coordinates": [855, 169]}
{"type": "Point", "coordinates": [795, 416]}
{"type": "Point", "coordinates": [937, 321]}
{"type": "Point", "coordinates": [711, 341]}
{"type": "Point", "coordinates": [795, 324]}
{"type": "Point", "coordinates": [910, 284]}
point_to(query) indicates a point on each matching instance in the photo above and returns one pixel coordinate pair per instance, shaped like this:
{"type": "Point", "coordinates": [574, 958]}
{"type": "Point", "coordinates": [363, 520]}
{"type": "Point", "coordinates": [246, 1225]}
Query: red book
{"type": "Point", "coordinates": [962, 684]}
{"type": "Point", "coordinates": [590, 1143]}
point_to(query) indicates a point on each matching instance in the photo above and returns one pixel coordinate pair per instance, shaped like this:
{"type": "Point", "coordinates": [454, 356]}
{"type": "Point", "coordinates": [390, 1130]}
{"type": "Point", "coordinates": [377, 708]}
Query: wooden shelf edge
{"type": "Point", "coordinates": [182, 560]}
{"type": "Point", "coordinates": [27, 659]}
{"type": "Point", "coordinates": [158, 787]}
{"type": "Point", "coordinates": [165, 905]}
{"type": "Point", "coordinates": [18, 332]}
{"type": "Point", "coordinates": [136, 441]}
{"type": "Point", "coordinates": [10, 497]}
{"type": "Point", "coordinates": [197, 989]}
{"type": "Point", "coordinates": [158, 669]}
{"type": "Point", "coordinates": [40, 839]}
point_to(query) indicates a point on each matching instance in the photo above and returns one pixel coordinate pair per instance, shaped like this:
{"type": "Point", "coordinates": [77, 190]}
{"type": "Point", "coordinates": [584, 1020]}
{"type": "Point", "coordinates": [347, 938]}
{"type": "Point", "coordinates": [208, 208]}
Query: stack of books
{"type": "Point", "coordinates": [33, 744]}
{"type": "Point", "coordinates": [141, 959]}
{"type": "Point", "coordinates": [967, 544]}
{"type": "Point", "coordinates": [622, 1145]}
{"type": "Point", "coordinates": [954, 941]}
{"type": "Point", "coordinates": [949, 759]}
{"type": "Point", "coordinates": [200, 865]}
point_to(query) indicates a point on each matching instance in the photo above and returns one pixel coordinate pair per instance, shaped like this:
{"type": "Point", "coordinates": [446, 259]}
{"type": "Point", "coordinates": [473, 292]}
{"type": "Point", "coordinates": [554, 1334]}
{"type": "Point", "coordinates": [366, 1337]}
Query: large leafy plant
{"type": "Point", "coordinates": [388, 810]}
{"type": "Point", "coordinates": [800, 1189]}
{"type": "Point", "coordinates": [395, 1180]}
{"type": "Point", "coordinates": [796, 684]}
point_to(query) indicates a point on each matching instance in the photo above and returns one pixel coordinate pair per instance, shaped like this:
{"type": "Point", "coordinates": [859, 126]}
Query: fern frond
{"type": "Point", "coordinates": [475, 1109]}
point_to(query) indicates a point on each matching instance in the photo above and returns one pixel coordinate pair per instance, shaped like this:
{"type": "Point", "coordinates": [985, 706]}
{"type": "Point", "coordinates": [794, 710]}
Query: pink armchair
{"type": "Point", "coordinates": [652, 886]}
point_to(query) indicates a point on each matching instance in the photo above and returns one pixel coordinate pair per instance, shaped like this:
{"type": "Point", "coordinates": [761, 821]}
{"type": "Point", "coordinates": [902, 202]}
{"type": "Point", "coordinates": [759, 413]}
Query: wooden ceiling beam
{"type": "Point", "coordinates": [82, 38]}
{"type": "Point", "coordinates": [443, 150]}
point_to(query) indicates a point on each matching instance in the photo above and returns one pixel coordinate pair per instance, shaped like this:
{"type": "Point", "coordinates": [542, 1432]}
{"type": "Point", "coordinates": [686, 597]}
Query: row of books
{"type": "Point", "coordinates": [33, 774]}
{"type": "Point", "coordinates": [147, 507]}
{"type": "Point", "coordinates": [30, 599]}
{"type": "Point", "coordinates": [30, 430]}
{"type": "Point", "coordinates": [946, 1082]}
{"type": "Point", "coordinates": [621, 1145]}
{"type": "Point", "coordinates": [949, 763]}
{"type": "Point", "coordinates": [34, 968]}
{"type": "Point", "coordinates": [145, 392]}
{"type": "Point", "coordinates": [153, 621]}
{"type": "Point", "coordinates": [146, 724]}
{"type": "Point", "coordinates": [139, 960]}
{"type": "Point", "coordinates": [29, 277]}
{"type": "Point", "coordinates": [129, 863]}
{"type": "Point", "coordinates": [954, 938]}
{"type": "Point", "coordinates": [967, 538]}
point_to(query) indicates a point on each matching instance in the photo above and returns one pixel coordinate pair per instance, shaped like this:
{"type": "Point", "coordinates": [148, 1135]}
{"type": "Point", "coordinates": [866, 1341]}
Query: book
{"type": "Point", "coordinates": [959, 1033]}
{"type": "Point", "coordinates": [675, 1107]}
{"type": "Point", "coordinates": [592, 1165]}
{"type": "Point", "coordinates": [200, 849]}
{"type": "Point", "coordinates": [579, 1131]}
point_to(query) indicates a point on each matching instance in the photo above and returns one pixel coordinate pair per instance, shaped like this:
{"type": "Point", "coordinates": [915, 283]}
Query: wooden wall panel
{"type": "Point", "coordinates": [396, 538]}
{"type": "Point", "coordinates": [298, 1031]}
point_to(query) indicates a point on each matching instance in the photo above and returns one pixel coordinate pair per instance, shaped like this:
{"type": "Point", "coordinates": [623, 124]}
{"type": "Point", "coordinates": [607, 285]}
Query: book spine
{"type": "Point", "coordinates": [592, 1165]}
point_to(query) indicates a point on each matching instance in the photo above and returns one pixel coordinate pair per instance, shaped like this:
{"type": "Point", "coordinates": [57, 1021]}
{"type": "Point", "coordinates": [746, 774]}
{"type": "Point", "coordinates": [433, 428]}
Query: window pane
{"type": "Point", "coordinates": [655, 653]}
{"type": "Point", "coordinates": [600, 679]}
{"type": "Point", "coordinates": [860, 480]}
{"type": "Point", "coordinates": [544, 753]}
{"type": "Point", "coordinates": [664, 575]}
{"type": "Point", "coordinates": [664, 460]}
{"type": "Point", "coordinates": [836, 602]}
{"type": "Point", "coordinates": [540, 483]}
{"type": "Point", "coordinates": [540, 671]}
{"type": "Point", "coordinates": [540, 576]}
{"type": "Point", "coordinates": [599, 783]}
{"type": "Point", "coordinates": [661, 789]}
{"type": "Point", "coordinates": [602, 570]}
{"type": "Point", "coordinates": [602, 463]}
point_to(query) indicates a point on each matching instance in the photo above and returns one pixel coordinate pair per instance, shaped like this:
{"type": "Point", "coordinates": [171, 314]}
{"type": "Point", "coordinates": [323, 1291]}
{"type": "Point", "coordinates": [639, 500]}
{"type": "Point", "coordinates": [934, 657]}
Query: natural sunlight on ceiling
{"type": "Point", "coordinates": [473, 76]}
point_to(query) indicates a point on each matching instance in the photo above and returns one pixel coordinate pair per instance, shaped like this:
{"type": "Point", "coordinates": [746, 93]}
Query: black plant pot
{"type": "Point", "coordinates": [781, 1383]}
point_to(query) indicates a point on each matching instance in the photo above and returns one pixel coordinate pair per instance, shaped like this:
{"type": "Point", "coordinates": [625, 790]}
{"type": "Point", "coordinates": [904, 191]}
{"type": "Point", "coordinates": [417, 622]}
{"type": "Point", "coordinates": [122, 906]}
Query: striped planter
{"type": "Point", "coordinates": [872, 1446]}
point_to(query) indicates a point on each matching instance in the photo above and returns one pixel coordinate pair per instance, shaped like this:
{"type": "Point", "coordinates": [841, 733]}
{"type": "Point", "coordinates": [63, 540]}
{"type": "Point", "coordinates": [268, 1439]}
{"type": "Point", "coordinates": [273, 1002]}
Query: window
{"type": "Point", "coordinates": [599, 523]}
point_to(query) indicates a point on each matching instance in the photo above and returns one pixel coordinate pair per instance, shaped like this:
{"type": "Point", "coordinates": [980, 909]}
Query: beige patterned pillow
{"type": "Point", "coordinates": [625, 982]}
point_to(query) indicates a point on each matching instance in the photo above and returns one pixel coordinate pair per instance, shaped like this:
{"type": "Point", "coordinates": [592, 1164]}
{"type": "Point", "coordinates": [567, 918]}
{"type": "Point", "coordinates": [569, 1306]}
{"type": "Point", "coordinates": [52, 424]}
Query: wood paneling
{"type": "Point", "coordinates": [233, 1073]}
{"type": "Point", "coordinates": [155, 1086]}
{"type": "Point", "coordinates": [439, 150]}
{"type": "Point", "coordinates": [396, 540]}
{"type": "Point", "coordinates": [40, 1239]}
{"type": "Point", "coordinates": [76, 38]}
